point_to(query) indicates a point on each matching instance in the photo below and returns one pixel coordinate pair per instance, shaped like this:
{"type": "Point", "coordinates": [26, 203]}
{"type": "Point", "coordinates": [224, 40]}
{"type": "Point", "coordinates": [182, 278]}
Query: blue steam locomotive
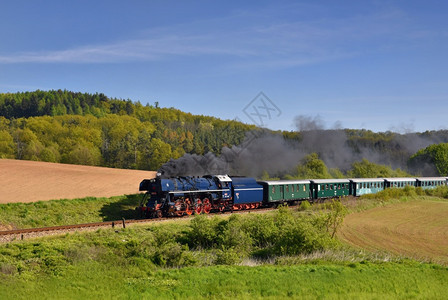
{"type": "Point", "coordinates": [178, 196]}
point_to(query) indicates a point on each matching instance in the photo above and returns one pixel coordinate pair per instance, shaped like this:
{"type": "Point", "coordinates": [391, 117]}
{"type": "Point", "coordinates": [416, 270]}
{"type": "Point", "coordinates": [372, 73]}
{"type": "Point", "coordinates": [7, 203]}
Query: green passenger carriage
{"type": "Point", "coordinates": [328, 188]}
{"type": "Point", "coordinates": [285, 190]}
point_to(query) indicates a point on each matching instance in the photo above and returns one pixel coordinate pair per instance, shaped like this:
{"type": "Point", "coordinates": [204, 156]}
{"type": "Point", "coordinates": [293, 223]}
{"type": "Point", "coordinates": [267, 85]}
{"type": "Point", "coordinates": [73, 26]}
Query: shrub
{"type": "Point", "coordinates": [203, 232]}
{"type": "Point", "coordinates": [304, 205]}
{"type": "Point", "coordinates": [334, 218]}
{"type": "Point", "coordinates": [232, 235]}
{"type": "Point", "coordinates": [229, 256]}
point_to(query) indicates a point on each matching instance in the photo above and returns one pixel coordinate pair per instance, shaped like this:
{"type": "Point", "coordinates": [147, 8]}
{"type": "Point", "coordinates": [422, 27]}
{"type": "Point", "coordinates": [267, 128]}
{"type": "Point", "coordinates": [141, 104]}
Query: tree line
{"type": "Point", "coordinates": [93, 129]}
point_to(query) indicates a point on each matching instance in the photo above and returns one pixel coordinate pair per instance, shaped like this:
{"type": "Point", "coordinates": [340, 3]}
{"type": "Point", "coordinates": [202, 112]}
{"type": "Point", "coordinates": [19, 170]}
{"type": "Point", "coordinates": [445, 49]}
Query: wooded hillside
{"type": "Point", "coordinates": [93, 129]}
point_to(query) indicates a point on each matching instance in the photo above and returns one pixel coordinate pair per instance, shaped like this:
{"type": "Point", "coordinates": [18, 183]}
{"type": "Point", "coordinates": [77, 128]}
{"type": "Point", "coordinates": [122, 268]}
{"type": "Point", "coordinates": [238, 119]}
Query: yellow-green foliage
{"type": "Point", "coordinates": [92, 129]}
{"type": "Point", "coordinates": [310, 167]}
{"type": "Point", "coordinates": [434, 155]}
{"type": "Point", "coordinates": [366, 169]}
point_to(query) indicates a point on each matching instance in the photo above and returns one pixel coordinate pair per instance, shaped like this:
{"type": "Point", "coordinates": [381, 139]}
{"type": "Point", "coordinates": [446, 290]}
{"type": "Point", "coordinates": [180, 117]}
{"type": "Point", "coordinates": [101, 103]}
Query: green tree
{"type": "Point", "coordinates": [435, 155]}
{"type": "Point", "coordinates": [6, 145]}
{"type": "Point", "coordinates": [28, 146]}
{"type": "Point", "coordinates": [366, 169]}
{"type": "Point", "coordinates": [83, 155]}
{"type": "Point", "coordinates": [311, 167]}
{"type": "Point", "coordinates": [159, 153]}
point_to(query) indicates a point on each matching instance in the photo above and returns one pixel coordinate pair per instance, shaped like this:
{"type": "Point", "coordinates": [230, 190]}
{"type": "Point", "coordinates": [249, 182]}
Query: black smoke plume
{"type": "Point", "coordinates": [264, 150]}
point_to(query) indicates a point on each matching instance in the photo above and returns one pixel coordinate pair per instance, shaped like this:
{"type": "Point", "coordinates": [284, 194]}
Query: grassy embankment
{"type": "Point", "coordinates": [176, 261]}
{"type": "Point", "coordinates": [282, 254]}
{"type": "Point", "coordinates": [66, 212]}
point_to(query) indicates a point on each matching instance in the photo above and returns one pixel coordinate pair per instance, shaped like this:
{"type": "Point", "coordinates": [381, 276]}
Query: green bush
{"type": "Point", "coordinates": [304, 205]}
{"type": "Point", "coordinates": [440, 191]}
{"type": "Point", "coordinates": [203, 232]}
{"type": "Point", "coordinates": [228, 256]}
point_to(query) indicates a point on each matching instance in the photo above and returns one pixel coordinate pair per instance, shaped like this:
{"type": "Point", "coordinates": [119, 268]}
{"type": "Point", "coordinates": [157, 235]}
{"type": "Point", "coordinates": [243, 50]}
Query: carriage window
{"type": "Point", "coordinates": [287, 188]}
{"type": "Point", "coordinates": [273, 189]}
{"type": "Point", "coordinates": [339, 186]}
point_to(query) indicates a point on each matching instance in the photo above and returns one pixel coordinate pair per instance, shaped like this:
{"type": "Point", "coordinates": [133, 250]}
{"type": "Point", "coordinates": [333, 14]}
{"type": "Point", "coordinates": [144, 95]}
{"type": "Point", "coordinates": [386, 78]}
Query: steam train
{"type": "Point", "coordinates": [178, 196]}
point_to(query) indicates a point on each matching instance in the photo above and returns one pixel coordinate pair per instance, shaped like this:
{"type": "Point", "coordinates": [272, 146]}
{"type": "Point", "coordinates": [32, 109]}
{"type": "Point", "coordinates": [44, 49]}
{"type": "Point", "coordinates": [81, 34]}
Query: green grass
{"type": "Point", "coordinates": [166, 261]}
{"type": "Point", "coordinates": [284, 254]}
{"type": "Point", "coordinates": [65, 212]}
{"type": "Point", "coordinates": [92, 280]}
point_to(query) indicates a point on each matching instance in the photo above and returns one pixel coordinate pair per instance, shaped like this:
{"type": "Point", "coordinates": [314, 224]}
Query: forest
{"type": "Point", "coordinates": [93, 129]}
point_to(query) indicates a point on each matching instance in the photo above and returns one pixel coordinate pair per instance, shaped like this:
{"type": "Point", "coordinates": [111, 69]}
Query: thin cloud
{"type": "Point", "coordinates": [272, 45]}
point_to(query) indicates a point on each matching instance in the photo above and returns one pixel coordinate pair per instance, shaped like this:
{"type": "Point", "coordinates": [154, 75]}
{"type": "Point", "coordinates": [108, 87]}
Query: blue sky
{"type": "Point", "coordinates": [378, 65]}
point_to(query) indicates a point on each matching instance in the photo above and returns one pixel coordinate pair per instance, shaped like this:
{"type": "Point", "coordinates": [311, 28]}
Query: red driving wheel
{"type": "Point", "coordinates": [206, 206]}
{"type": "Point", "coordinates": [198, 206]}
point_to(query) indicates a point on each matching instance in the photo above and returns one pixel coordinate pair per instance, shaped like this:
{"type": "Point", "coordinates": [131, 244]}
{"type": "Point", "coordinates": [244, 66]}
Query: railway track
{"type": "Point", "coordinates": [21, 234]}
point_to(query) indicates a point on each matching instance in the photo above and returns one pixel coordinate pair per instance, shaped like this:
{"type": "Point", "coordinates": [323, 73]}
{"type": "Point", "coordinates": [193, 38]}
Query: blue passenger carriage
{"type": "Point", "coordinates": [399, 182]}
{"type": "Point", "coordinates": [363, 186]}
{"type": "Point", "coordinates": [431, 182]}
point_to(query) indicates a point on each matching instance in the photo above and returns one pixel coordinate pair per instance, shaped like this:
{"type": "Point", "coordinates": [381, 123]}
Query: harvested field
{"type": "Point", "coordinates": [29, 181]}
{"type": "Point", "coordinates": [418, 229]}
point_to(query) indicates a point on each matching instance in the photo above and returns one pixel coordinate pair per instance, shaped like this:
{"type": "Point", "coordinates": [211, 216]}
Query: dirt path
{"type": "Point", "coordinates": [28, 181]}
{"type": "Point", "coordinates": [418, 229]}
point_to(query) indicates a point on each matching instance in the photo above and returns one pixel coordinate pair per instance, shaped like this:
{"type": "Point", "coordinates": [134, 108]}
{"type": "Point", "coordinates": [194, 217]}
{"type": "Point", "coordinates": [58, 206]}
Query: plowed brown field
{"type": "Point", "coordinates": [28, 181]}
{"type": "Point", "coordinates": [417, 229]}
